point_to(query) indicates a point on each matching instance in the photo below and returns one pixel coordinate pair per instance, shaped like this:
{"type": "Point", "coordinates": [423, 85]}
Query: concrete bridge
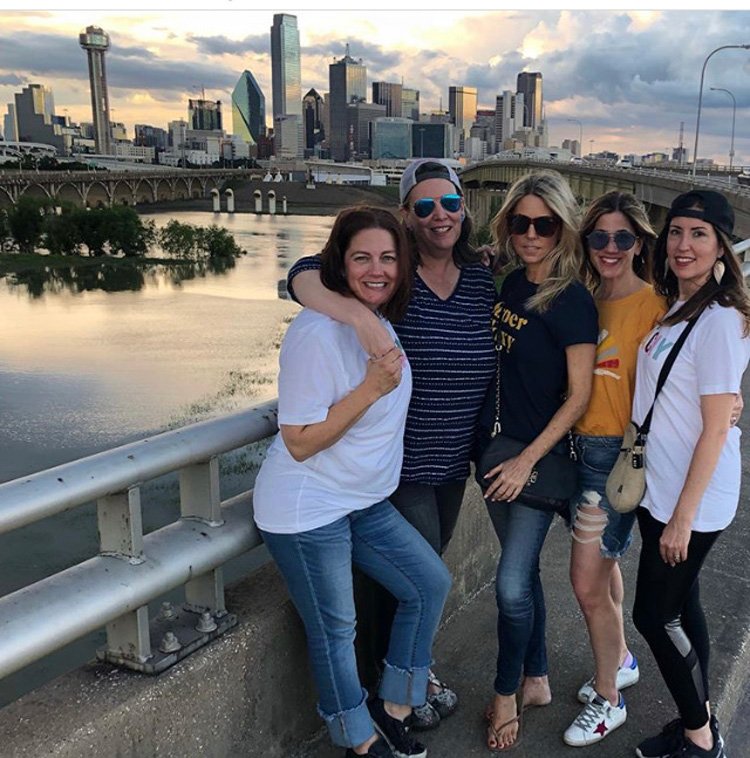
{"type": "Point", "coordinates": [93, 189]}
{"type": "Point", "coordinates": [485, 185]}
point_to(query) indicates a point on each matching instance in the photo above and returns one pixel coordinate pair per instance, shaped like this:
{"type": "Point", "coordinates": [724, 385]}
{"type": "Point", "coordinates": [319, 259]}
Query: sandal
{"type": "Point", "coordinates": [494, 734]}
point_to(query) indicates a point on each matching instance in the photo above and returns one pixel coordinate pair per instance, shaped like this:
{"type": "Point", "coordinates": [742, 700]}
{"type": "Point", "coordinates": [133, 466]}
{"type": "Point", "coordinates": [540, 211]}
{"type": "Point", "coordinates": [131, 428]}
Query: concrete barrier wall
{"type": "Point", "coordinates": [248, 694]}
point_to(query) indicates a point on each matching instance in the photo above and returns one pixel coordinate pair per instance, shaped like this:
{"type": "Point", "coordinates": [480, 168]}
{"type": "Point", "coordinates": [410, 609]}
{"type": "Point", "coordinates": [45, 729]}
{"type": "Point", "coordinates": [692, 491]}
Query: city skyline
{"type": "Point", "coordinates": [629, 77]}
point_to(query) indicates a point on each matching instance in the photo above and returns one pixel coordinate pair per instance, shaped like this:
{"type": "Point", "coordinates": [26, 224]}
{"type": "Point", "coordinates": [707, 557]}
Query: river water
{"type": "Point", "coordinates": [83, 369]}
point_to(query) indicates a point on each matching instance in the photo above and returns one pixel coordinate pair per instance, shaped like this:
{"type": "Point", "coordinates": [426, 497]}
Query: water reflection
{"type": "Point", "coordinates": [113, 278]}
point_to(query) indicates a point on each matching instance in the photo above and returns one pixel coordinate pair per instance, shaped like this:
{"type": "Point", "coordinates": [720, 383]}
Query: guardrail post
{"type": "Point", "coordinates": [121, 536]}
{"type": "Point", "coordinates": [200, 498]}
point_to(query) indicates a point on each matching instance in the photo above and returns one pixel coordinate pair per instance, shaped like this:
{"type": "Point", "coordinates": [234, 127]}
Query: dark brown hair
{"type": "Point", "coordinates": [731, 292]}
{"type": "Point", "coordinates": [633, 210]}
{"type": "Point", "coordinates": [350, 222]}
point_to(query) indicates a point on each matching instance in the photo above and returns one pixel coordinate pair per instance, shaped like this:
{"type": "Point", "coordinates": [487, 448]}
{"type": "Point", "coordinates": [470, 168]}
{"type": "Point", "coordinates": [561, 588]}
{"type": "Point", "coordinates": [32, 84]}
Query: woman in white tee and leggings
{"type": "Point", "coordinates": [692, 455]}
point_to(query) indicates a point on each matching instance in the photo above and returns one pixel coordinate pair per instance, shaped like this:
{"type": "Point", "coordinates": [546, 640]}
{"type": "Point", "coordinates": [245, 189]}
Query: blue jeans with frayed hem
{"type": "Point", "coordinates": [317, 567]}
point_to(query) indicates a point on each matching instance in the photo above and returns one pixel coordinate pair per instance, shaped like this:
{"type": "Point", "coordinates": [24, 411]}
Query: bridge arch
{"type": "Point", "coordinates": [144, 192]}
{"type": "Point", "coordinates": [163, 190]}
{"type": "Point", "coordinates": [98, 195]}
{"type": "Point", "coordinates": [70, 193]}
{"type": "Point", "coordinates": [36, 191]}
{"type": "Point", "coordinates": [123, 193]}
{"type": "Point", "coordinates": [6, 199]}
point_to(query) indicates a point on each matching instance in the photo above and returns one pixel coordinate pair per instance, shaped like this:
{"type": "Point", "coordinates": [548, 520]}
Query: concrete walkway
{"type": "Point", "coordinates": [466, 651]}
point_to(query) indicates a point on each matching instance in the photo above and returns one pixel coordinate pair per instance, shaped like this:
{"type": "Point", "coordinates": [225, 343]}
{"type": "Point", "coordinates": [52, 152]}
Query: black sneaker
{"type": "Point", "coordinates": [378, 749]}
{"type": "Point", "coordinates": [671, 740]}
{"type": "Point", "coordinates": [690, 750]}
{"type": "Point", "coordinates": [395, 732]}
{"type": "Point", "coordinates": [664, 744]}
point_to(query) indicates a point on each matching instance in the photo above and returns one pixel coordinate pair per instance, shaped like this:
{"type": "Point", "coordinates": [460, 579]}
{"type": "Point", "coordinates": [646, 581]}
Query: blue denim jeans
{"type": "Point", "coordinates": [521, 614]}
{"type": "Point", "coordinates": [596, 457]}
{"type": "Point", "coordinates": [317, 567]}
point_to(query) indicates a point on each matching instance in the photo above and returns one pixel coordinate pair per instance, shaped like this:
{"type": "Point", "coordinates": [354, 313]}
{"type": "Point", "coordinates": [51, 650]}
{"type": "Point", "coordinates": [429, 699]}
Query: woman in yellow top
{"type": "Point", "coordinates": [616, 234]}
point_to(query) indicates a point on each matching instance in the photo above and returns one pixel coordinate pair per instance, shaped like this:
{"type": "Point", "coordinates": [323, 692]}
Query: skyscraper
{"type": "Point", "coordinates": [248, 109]}
{"type": "Point", "coordinates": [529, 84]}
{"type": "Point", "coordinates": [35, 117]}
{"type": "Point", "coordinates": [509, 110]}
{"type": "Point", "coordinates": [389, 95]}
{"type": "Point", "coordinates": [285, 66]}
{"type": "Point", "coordinates": [462, 105]}
{"type": "Point", "coordinates": [410, 103]}
{"type": "Point", "coordinates": [95, 42]}
{"type": "Point", "coordinates": [204, 115]}
{"type": "Point", "coordinates": [348, 84]}
{"type": "Point", "coordinates": [313, 108]}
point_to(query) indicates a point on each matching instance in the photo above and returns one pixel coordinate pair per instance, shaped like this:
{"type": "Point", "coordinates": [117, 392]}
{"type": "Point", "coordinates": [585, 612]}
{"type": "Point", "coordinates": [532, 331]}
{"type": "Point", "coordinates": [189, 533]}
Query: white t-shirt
{"type": "Point", "coordinates": [321, 362]}
{"type": "Point", "coordinates": [711, 362]}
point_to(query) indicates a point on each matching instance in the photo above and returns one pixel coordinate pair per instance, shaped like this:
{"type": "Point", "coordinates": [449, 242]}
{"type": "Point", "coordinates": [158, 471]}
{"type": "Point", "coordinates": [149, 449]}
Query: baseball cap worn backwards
{"type": "Point", "coordinates": [713, 207]}
{"type": "Point", "coordinates": [426, 168]}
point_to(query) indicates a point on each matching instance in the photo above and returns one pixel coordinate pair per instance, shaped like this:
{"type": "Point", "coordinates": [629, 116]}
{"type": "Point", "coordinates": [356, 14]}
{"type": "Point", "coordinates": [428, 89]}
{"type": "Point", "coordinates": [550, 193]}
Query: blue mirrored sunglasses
{"type": "Point", "coordinates": [426, 205]}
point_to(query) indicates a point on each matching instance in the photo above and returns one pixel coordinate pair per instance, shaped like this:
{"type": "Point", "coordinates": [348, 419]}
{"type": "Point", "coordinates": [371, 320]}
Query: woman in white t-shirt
{"type": "Point", "coordinates": [692, 454]}
{"type": "Point", "coordinates": [320, 497]}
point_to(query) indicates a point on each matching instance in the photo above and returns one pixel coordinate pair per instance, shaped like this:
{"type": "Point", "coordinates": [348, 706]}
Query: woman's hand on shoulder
{"type": "Point", "coordinates": [384, 373]}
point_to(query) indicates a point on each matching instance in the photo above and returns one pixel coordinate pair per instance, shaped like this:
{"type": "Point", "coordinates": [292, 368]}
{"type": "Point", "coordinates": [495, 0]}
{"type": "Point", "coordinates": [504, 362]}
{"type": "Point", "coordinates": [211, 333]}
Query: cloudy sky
{"type": "Point", "coordinates": [630, 77]}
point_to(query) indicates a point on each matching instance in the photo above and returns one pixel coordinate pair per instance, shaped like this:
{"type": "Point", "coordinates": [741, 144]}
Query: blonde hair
{"type": "Point", "coordinates": [566, 258]}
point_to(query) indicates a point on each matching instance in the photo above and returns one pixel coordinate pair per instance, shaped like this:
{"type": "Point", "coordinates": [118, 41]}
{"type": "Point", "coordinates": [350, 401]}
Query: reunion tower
{"type": "Point", "coordinates": [95, 42]}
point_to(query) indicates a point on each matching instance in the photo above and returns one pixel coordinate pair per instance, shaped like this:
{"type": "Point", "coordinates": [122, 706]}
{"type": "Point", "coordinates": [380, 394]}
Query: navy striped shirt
{"type": "Point", "coordinates": [452, 356]}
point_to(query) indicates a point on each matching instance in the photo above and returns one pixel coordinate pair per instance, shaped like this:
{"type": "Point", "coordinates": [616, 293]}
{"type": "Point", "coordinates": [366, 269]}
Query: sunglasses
{"type": "Point", "coordinates": [544, 226]}
{"type": "Point", "coordinates": [426, 205]}
{"type": "Point", "coordinates": [624, 240]}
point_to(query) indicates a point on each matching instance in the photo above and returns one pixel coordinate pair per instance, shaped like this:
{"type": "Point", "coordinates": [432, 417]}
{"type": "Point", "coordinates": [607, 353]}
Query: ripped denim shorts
{"type": "Point", "coordinates": [596, 457]}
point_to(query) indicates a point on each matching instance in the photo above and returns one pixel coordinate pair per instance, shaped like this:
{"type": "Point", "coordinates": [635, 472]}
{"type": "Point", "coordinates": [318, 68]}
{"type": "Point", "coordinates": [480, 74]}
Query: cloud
{"type": "Point", "coordinates": [221, 45]}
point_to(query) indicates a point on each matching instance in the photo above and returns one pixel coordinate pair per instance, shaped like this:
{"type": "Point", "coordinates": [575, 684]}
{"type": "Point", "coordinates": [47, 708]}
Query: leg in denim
{"type": "Point", "coordinates": [391, 551]}
{"type": "Point", "coordinates": [520, 598]}
{"type": "Point", "coordinates": [317, 567]}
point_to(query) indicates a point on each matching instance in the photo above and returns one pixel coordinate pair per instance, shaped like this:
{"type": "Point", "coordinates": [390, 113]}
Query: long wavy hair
{"type": "Point", "coordinates": [350, 222]}
{"type": "Point", "coordinates": [731, 292]}
{"type": "Point", "coordinates": [566, 258]}
{"type": "Point", "coordinates": [634, 211]}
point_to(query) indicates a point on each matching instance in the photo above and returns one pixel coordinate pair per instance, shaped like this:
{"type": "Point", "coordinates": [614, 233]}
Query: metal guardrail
{"type": "Point", "coordinates": [113, 589]}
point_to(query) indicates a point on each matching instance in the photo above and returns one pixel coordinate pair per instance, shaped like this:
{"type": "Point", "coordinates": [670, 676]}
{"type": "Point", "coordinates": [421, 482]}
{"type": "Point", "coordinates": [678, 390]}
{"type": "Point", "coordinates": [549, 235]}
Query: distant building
{"type": "Point", "coordinates": [360, 115]}
{"type": "Point", "coordinates": [35, 111]}
{"type": "Point", "coordinates": [95, 41]}
{"type": "Point", "coordinates": [529, 84]}
{"type": "Point", "coordinates": [118, 132]}
{"type": "Point", "coordinates": [388, 94]}
{"type": "Point", "coordinates": [432, 140]}
{"type": "Point", "coordinates": [285, 66]}
{"type": "Point", "coordinates": [573, 145]}
{"type": "Point", "coordinates": [248, 109]}
{"type": "Point", "coordinates": [391, 138]}
{"type": "Point", "coordinates": [151, 136]}
{"type": "Point", "coordinates": [287, 136]}
{"type": "Point", "coordinates": [204, 115]}
{"type": "Point", "coordinates": [508, 117]}
{"type": "Point", "coordinates": [483, 128]}
{"type": "Point", "coordinates": [410, 103]}
{"type": "Point", "coordinates": [313, 108]}
{"type": "Point", "coordinates": [10, 124]}
{"type": "Point", "coordinates": [462, 106]}
{"type": "Point", "coordinates": [348, 84]}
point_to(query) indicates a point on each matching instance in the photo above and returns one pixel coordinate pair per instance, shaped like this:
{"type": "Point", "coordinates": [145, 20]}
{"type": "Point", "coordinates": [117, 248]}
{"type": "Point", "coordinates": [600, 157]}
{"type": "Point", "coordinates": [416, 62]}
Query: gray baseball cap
{"type": "Point", "coordinates": [426, 168]}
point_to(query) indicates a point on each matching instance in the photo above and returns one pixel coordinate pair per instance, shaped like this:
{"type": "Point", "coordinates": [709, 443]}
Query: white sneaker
{"type": "Point", "coordinates": [626, 677]}
{"type": "Point", "coordinates": [598, 718]}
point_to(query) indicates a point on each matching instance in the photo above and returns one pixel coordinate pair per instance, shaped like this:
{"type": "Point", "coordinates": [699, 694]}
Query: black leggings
{"type": "Point", "coordinates": [668, 613]}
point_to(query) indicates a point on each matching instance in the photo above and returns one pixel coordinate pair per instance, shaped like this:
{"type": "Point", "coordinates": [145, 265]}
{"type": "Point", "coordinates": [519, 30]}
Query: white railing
{"type": "Point", "coordinates": [113, 589]}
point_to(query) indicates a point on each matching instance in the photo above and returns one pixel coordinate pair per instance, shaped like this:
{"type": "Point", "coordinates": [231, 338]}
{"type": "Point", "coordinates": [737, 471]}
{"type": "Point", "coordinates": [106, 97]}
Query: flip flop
{"type": "Point", "coordinates": [495, 734]}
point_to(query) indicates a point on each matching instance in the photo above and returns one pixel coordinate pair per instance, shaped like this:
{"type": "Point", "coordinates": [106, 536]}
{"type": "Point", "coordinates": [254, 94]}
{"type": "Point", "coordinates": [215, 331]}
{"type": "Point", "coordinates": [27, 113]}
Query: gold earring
{"type": "Point", "coordinates": [718, 270]}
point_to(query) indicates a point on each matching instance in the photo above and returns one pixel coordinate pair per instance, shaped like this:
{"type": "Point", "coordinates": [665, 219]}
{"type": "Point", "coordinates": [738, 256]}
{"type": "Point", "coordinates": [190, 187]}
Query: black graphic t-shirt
{"type": "Point", "coordinates": [533, 367]}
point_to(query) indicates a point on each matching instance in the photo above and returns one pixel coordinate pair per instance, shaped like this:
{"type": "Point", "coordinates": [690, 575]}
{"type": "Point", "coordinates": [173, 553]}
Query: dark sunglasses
{"type": "Point", "coordinates": [544, 226]}
{"type": "Point", "coordinates": [624, 240]}
{"type": "Point", "coordinates": [424, 207]}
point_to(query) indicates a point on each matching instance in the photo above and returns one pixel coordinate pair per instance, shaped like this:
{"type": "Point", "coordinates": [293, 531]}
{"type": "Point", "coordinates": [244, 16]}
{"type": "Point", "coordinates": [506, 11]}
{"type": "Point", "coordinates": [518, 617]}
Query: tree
{"type": "Point", "coordinates": [127, 234]}
{"type": "Point", "coordinates": [63, 233]}
{"type": "Point", "coordinates": [25, 222]}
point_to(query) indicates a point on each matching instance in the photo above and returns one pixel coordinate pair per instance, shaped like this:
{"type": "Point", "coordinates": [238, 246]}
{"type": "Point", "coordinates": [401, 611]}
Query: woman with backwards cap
{"type": "Point", "coordinates": [446, 336]}
{"type": "Point", "coordinates": [692, 455]}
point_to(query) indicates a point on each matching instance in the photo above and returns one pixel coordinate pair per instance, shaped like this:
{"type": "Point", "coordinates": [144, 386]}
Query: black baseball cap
{"type": "Point", "coordinates": [713, 207]}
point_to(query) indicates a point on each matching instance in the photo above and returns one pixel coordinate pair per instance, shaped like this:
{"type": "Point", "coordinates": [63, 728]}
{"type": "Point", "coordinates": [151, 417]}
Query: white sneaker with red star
{"type": "Point", "coordinates": [598, 718]}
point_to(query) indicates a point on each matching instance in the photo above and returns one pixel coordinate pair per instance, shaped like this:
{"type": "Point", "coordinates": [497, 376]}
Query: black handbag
{"type": "Point", "coordinates": [554, 478]}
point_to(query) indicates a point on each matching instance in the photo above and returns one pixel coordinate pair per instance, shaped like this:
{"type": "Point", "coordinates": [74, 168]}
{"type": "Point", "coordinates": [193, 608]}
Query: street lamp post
{"type": "Point", "coordinates": [700, 98]}
{"type": "Point", "coordinates": [580, 134]}
{"type": "Point", "coordinates": [734, 116]}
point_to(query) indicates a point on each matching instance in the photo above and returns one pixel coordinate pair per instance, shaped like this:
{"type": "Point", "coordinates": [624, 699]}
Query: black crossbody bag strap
{"type": "Point", "coordinates": [664, 373]}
